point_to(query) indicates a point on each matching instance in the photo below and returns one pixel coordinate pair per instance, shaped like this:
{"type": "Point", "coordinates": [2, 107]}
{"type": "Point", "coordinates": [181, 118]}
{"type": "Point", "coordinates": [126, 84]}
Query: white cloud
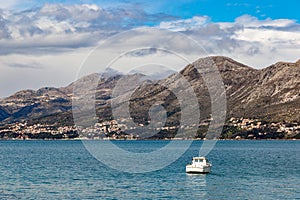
{"type": "Point", "coordinates": [250, 21]}
{"type": "Point", "coordinates": [258, 43]}
{"type": "Point", "coordinates": [83, 12]}
{"type": "Point", "coordinates": [65, 26]}
{"type": "Point", "coordinates": [186, 24]}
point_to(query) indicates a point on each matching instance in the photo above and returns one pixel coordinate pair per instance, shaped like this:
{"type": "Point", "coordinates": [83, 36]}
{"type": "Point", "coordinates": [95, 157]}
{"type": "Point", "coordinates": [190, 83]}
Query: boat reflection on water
{"type": "Point", "coordinates": [196, 183]}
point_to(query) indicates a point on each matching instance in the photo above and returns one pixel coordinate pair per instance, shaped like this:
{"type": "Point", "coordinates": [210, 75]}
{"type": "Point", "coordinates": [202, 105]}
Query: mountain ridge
{"type": "Point", "coordinates": [269, 94]}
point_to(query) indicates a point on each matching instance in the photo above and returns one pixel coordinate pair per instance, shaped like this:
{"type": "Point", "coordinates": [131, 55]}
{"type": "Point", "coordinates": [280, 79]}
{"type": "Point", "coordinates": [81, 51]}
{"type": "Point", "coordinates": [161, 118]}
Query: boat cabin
{"type": "Point", "coordinates": [200, 161]}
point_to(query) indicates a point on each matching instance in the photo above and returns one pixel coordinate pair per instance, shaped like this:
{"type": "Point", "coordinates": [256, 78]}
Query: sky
{"type": "Point", "coordinates": [45, 43]}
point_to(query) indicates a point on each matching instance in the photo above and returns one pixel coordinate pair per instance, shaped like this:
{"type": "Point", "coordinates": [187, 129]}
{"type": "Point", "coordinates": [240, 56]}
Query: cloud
{"type": "Point", "coordinates": [185, 24]}
{"type": "Point", "coordinates": [142, 52]}
{"type": "Point", "coordinates": [48, 43]}
{"type": "Point", "coordinates": [258, 43]}
{"type": "Point", "coordinates": [32, 65]}
{"type": "Point", "coordinates": [66, 26]}
{"type": "Point", "coordinates": [250, 21]}
{"type": "Point", "coordinates": [54, 28]}
{"type": "Point", "coordinates": [83, 12]}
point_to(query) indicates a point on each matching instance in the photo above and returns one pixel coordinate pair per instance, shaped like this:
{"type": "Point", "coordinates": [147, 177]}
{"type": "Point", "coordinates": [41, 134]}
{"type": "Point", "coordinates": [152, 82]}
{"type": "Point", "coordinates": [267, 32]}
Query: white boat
{"type": "Point", "coordinates": [199, 165]}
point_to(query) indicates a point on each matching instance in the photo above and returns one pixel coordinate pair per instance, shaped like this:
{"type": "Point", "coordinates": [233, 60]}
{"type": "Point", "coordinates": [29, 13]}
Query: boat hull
{"type": "Point", "coordinates": [198, 170]}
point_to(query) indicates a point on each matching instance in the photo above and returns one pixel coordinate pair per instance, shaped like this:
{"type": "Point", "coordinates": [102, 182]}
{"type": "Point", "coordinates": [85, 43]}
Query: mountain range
{"type": "Point", "coordinates": [271, 94]}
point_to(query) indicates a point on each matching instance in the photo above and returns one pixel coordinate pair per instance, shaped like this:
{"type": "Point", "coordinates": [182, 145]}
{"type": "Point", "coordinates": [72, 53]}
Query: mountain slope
{"type": "Point", "coordinates": [271, 94]}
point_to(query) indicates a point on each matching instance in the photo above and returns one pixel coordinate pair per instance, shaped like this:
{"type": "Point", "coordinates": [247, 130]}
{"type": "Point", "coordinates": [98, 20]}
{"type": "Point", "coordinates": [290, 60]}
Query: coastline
{"type": "Point", "coordinates": [166, 139]}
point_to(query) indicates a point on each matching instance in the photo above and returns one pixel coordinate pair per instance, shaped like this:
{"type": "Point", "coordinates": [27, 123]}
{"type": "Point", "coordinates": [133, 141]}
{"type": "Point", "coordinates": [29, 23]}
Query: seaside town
{"type": "Point", "coordinates": [241, 128]}
{"type": "Point", "coordinates": [244, 128]}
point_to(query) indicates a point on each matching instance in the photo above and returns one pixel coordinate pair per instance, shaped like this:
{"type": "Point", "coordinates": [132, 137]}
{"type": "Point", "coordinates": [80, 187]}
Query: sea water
{"type": "Point", "coordinates": [66, 170]}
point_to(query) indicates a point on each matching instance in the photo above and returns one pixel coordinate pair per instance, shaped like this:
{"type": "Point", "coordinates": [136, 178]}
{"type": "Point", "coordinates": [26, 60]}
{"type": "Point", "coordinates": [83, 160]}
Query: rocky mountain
{"type": "Point", "coordinates": [29, 104]}
{"type": "Point", "coordinates": [270, 94]}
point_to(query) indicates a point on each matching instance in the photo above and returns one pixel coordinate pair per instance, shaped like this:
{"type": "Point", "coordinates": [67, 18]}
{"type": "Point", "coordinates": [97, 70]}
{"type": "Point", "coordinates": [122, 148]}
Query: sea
{"type": "Point", "coordinates": [246, 169]}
